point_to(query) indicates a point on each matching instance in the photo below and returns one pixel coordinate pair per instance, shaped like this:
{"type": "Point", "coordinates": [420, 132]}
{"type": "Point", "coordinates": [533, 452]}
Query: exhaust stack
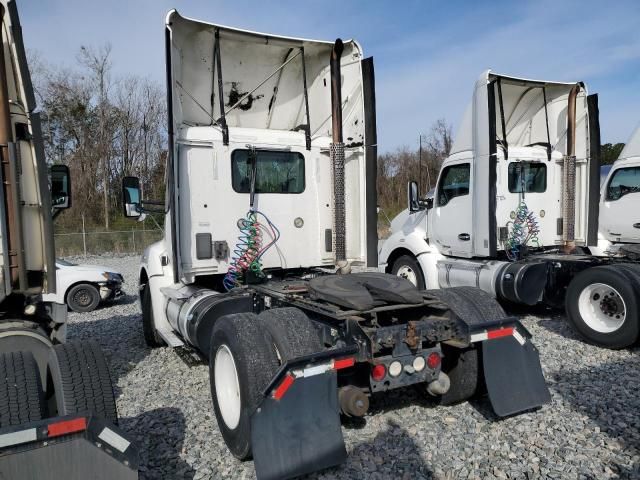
{"type": "Point", "coordinates": [569, 175]}
{"type": "Point", "coordinates": [337, 156]}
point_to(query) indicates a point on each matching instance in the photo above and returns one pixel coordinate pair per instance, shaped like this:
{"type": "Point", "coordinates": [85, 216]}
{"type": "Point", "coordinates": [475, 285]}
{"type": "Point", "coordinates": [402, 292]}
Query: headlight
{"type": "Point", "coordinates": [112, 277]}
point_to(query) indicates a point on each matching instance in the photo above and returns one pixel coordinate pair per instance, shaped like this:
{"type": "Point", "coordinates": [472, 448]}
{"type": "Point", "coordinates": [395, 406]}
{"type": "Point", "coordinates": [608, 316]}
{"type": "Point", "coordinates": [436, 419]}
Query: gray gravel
{"type": "Point", "coordinates": [591, 430]}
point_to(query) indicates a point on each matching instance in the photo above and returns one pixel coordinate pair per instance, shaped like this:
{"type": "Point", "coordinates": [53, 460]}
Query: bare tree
{"type": "Point", "coordinates": [98, 63]}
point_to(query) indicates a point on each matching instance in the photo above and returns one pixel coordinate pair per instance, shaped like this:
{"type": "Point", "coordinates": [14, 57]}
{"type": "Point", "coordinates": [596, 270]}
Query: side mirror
{"type": "Point", "coordinates": [60, 187]}
{"type": "Point", "coordinates": [413, 197]}
{"type": "Point", "coordinates": [131, 196]}
{"type": "Point", "coordinates": [429, 203]}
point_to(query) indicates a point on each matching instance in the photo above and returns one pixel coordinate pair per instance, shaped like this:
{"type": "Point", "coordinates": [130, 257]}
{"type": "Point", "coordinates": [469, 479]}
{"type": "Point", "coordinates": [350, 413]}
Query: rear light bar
{"type": "Point", "coordinates": [498, 333]}
{"type": "Point", "coordinates": [66, 427]}
{"type": "Point", "coordinates": [290, 377]}
{"type": "Point", "coordinates": [60, 428]}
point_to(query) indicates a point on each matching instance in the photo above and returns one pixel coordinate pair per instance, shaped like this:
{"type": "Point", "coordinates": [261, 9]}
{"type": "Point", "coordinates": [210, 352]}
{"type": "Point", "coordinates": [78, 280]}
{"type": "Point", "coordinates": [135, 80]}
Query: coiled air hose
{"type": "Point", "coordinates": [249, 249]}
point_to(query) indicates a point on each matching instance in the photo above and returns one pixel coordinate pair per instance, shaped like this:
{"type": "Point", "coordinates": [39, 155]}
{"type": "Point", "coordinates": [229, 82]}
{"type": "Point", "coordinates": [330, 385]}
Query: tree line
{"type": "Point", "coordinates": [104, 127]}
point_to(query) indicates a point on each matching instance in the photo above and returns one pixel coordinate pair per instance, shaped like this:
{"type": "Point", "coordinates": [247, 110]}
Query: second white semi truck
{"type": "Point", "coordinates": [515, 210]}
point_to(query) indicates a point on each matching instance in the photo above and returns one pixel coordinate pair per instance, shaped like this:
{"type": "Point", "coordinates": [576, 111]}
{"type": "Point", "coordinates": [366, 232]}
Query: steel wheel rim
{"type": "Point", "coordinates": [227, 387]}
{"type": "Point", "coordinates": [82, 297]}
{"type": "Point", "coordinates": [602, 308]}
{"type": "Point", "coordinates": [408, 273]}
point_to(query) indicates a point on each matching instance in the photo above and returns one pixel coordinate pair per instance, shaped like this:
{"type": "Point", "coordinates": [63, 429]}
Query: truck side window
{"type": "Point", "coordinates": [532, 174]}
{"type": "Point", "coordinates": [454, 182]}
{"type": "Point", "coordinates": [276, 171]}
{"type": "Point", "coordinates": [624, 181]}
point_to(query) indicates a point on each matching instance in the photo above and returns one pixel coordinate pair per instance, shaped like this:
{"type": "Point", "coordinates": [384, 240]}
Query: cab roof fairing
{"type": "Point", "coordinates": [524, 112]}
{"type": "Point", "coordinates": [632, 147]}
{"type": "Point", "coordinates": [249, 58]}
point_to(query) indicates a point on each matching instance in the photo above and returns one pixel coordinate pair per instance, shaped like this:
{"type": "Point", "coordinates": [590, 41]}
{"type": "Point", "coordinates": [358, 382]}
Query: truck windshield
{"type": "Point", "coordinates": [531, 175]}
{"type": "Point", "coordinates": [624, 181]}
{"type": "Point", "coordinates": [276, 171]}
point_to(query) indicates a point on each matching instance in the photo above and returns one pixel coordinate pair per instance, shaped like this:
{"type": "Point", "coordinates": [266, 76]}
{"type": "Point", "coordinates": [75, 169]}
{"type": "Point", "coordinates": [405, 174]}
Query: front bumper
{"type": "Point", "coordinates": [110, 290]}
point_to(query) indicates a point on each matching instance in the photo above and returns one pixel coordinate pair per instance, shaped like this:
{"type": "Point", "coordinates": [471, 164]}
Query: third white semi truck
{"type": "Point", "coordinates": [515, 209]}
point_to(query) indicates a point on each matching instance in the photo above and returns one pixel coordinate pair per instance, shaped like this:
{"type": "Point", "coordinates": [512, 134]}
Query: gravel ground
{"type": "Point", "coordinates": [591, 430]}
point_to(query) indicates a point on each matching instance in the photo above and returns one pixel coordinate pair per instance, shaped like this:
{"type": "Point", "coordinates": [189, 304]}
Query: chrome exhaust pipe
{"type": "Point", "coordinates": [337, 157]}
{"type": "Point", "coordinates": [569, 175]}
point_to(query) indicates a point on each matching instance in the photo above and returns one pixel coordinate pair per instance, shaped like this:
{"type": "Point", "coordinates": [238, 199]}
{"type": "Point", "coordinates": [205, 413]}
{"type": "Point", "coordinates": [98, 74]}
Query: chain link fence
{"type": "Point", "coordinates": [111, 242]}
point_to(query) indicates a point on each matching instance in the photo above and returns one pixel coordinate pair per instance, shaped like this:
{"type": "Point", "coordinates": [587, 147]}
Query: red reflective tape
{"type": "Point", "coordinates": [503, 332]}
{"type": "Point", "coordinates": [66, 427]}
{"type": "Point", "coordinates": [279, 392]}
{"type": "Point", "coordinates": [344, 363]}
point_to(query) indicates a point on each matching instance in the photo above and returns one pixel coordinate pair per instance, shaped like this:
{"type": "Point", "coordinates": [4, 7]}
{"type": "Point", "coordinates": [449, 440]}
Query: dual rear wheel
{"type": "Point", "coordinates": [246, 352]}
{"type": "Point", "coordinates": [78, 383]}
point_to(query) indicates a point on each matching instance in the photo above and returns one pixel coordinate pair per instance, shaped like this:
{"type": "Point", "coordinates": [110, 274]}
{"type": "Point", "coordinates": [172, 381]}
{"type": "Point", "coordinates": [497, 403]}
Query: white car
{"type": "Point", "coordinates": [83, 287]}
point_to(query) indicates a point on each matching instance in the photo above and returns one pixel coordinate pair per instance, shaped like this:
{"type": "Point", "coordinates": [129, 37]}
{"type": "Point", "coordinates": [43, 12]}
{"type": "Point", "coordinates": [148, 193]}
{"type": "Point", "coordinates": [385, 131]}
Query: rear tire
{"type": "Point", "coordinates": [21, 397]}
{"type": "Point", "coordinates": [242, 362]}
{"type": "Point", "coordinates": [603, 305]}
{"type": "Point", "coordinates": [83, 298]}
{"type": "Point", "coordinates": [151, 337]}
{"type": "Point", "coordinates": [292, 332]}
{"type": "Point", "coordinates": [82, 384]}
{"type": "Point", "coordinates": [408, 267]}
{"type": "Point", "coordinates": [463, 366]}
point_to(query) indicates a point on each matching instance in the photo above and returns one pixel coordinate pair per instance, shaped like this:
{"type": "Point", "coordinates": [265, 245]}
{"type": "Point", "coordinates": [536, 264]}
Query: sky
{"type": "Point", "coordinates": [427, 53]}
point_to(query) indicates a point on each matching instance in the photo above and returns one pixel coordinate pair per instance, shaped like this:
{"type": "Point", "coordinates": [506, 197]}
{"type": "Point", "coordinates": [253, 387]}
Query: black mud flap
{"type": "Point", "coordinates": [513, 375]}
{"type": "Point", "coordinates": [70, 448]}
{"type": "Point", "coordinates": [296, 429]}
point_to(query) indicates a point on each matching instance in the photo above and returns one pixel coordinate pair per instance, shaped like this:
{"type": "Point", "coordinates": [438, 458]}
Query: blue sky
{"type": "Point", "coordinates": [427, 53]}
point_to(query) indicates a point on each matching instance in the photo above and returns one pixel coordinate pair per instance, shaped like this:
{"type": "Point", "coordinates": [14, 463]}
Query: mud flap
{"type": "Point", "coordinates": [296, 429]}
{"type": "Point", "coordinates": [74, 447]}
{"type": "Point", "coordinates": [513, 375]}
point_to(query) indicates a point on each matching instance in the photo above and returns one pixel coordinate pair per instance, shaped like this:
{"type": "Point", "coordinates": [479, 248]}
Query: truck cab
{"type": "Point", "coordinates": [620, 196]}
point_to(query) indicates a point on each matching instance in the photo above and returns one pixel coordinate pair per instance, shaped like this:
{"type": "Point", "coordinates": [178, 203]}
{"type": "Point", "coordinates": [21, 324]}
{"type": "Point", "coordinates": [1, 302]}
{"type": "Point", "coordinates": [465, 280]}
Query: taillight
{"type": "Point", "coordinates": [433, 360]}
{"type": "Point", "coordinates": [378, 372]}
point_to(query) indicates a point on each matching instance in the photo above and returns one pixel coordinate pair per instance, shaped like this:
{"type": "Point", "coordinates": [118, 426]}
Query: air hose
{"type": "Point", "coordinates": [524, 228]}
{"type": "Point", "coordinates": [250, 249]}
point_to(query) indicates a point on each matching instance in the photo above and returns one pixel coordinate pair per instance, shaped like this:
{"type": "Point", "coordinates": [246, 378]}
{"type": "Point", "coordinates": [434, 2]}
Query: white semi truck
{"type": "Point", "coordinates": [57, 408]}
{"type": "Point", "coordinates": [620, 199]}
{"type": "Point", "coordinates": [515, 209]}
{"type": "Point", "coordinates": [270, 203]}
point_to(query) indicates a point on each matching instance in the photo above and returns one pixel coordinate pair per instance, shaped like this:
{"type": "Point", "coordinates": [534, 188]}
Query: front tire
{"type": "Point", "coordinates": [151, 337]}
{"type": "Point", "coordinates": [408, 267]}
{"type": "Point", "coordinates": [242, 362]}
{"type": "Point", "coordinates": [603, 305]}
{"type": "Point", "coordinates": [83, 298]}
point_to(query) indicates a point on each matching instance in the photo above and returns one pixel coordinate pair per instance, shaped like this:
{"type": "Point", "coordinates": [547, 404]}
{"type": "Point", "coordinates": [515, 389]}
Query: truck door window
{"type": "Point", "coordinates": [532, 175]}
{"type": "Point", "coordinates": [624, 181]}
{"type": "Point", "coordinates": [454, 182]}
{"type": "Point", "coordinates": [276, 171]}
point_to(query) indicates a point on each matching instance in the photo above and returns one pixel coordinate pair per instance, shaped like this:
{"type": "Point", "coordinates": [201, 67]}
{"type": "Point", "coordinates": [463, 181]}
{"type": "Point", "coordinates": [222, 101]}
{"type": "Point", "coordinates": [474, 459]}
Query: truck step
{"type": "Point", "coordinates": [170, 338]}
{"type": "Point", "coordinates": [190, 356]}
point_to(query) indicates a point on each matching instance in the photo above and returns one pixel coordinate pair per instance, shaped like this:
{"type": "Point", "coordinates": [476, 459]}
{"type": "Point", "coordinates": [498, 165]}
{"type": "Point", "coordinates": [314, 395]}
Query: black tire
{"type": "Point", "coordinates": [151, 337]}
{"type": "Point", "coordinates": [625, 279]}
{"type": "Point", "coordinates": [81, 381]}
{"type": "Point", "coordinates": [83, 297]}
{"type": "Point", "coordinates": [256, 363]}
{"type": "Point", "coordinates": [21, 396]}
{"type": "Point", "coordinates": [409, 262]}
{"type": "Point", "coordinates": [463, 366]}
{"type": "Point", "coordinates": [292, 332]}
